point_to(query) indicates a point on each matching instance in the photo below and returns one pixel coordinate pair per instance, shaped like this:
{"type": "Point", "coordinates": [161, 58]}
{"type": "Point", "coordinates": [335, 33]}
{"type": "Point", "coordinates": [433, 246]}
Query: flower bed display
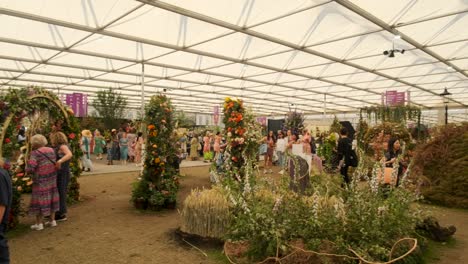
{"type": "Point", "coordinates": [18, 104]}
{"type": "Point", "coordinates": [158, 182]}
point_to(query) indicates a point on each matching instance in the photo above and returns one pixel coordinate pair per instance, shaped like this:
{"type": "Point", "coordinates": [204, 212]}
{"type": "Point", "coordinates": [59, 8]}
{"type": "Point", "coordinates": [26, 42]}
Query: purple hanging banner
{"type": "Point", "coordinates": [262, 120]}
{"type": "Point", "coordinates": [78, 103]}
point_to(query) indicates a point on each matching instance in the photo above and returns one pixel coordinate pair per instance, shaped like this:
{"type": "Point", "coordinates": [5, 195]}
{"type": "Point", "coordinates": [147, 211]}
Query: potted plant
{"type": "Point", "coordinates": [140, 195]}
{"type": "Point", "coordinates": [156, 201]}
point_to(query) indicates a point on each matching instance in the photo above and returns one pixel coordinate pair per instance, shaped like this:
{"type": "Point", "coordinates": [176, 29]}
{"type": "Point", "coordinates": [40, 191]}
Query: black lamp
{"type": "Point", "coordinates": [446, 96]}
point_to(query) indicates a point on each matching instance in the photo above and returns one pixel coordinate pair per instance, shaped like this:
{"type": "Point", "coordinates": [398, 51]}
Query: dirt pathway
{"type": "Point", "coordinates": [106, 229]}
{"type": "Point", "coordinates": [457, 253]}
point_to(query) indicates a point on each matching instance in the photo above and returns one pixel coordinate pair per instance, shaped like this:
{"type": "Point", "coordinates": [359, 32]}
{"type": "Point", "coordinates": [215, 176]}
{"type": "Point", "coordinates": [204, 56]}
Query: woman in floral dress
{"type": "Point", "coordinates": [45, 196]}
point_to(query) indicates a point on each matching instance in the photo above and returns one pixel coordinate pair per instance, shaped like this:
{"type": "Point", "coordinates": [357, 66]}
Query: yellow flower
{"type": "Point", "coordinates": [155, 146]}
{"type": "Point", "coordinates": [227, 99]}
{"type": "Point", "coordinates": [157, 160]}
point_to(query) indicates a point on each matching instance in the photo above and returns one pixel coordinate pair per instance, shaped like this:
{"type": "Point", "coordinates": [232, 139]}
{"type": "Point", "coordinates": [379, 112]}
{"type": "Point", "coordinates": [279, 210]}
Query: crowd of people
{"type": "Point", "coordinates": [277, 146]}
{"type": "Point", "coordinates": [207, 145]}
{"type": "Point", "coordinates": [124, 145]}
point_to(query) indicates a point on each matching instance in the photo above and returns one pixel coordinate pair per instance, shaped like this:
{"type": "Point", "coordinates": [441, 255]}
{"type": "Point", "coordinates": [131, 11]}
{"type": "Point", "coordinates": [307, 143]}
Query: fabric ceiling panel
{"type": "Point", "coordinates": [277, 77]}
{"type": "Point", "coordinates": [25, 52]}
{"type": "Point", "coordinates": [245, 13]}
{"type": "Point", "coordinates": [16, 65]}
{"type": "Point", "coordinates": [241, 46]}
{"type": "Point", "coordinates": [325, 22]}
{"type": "Point", "coordinates": [90, 61]}
{"type": "Point", "coordinates": [364, 45]}
{"type": "Point", "coordinates": [269, 53]}
{"type": "Point", "coordinates": [88, 13]}
{"type": "Point", "coordinates": [189, 60]}
{"type": "Point", "coordinates": [291, 59]}
{"type": "Point", "coordinates": [462, 63]}
{"type": "Point", "coordinates": [355, 78]}
{"type": "Point", "coordinates": [167, 27]}
{"type": "Point", "coordinates": [202, 77]}
{"type": "Point", "coordinates": [403, 11]}
{"type": "Point", "coordinates": [38, 32]}
{"type": "Point", "coordinates": [66, 71]}
{"type": "Point", "coordinates": [443, 29]}
{"type": "Point", "coordinates": [453, 50]}
{"type": "Point", "coordinates": [125, 48]}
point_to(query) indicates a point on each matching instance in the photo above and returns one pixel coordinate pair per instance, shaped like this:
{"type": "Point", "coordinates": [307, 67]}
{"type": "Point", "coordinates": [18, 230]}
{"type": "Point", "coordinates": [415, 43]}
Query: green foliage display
{"type": "Point", "coordinates": [327, 150]}
{"type": "Point", "coordinates": [159, 183]}
{"type": "Point", "coordinates": [389, 130]}
{"type": "Point", "coordinates": [365, 219]}
{"type": "Point", "coordinates": [442, 166]}
{"type": "Point", "coordinates": [183, 120]}
{"type": "Point", "coordinates": [110, 105]}
{"type": "Point", "coordinates": [335, 126]}
{"type": "Point", "coordinates": [294, 122]}
{"type": "Point", "coordinates": [393, 114]}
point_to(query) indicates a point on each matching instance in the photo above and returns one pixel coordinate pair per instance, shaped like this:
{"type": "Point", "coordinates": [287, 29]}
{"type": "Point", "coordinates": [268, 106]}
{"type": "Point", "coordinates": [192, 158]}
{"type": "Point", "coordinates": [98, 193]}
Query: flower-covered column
{"type": "Point", "coordinates": [158, 183]}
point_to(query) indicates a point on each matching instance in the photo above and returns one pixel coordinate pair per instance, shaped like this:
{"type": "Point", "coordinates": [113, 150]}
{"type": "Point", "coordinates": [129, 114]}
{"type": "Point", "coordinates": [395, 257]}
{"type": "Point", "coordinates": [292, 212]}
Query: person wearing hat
{"type": "Point", "coordinates": [86, 137]}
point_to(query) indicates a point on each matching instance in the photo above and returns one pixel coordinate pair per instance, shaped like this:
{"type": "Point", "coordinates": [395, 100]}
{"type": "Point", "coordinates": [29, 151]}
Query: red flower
{"type": "Point", "coordinates": [72, 136]}
{"type": "Point", "coordinates": [7, 140]}
{"type": "Point", "coordinates": [234, 159]}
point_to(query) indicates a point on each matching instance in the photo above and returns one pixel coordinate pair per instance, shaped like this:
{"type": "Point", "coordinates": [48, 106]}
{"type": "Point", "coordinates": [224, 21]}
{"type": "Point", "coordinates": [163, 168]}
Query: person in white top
{"type": "Point", "coordinates": [280, 148]}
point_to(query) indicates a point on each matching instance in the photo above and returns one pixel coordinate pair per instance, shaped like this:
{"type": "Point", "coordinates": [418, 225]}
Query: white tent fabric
{"type": "Point", "coordinates": [314, 54]}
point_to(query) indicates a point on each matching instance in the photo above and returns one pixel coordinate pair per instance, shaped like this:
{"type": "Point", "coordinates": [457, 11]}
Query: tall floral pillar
{"type": "Point", "coordinates": [158, 182]}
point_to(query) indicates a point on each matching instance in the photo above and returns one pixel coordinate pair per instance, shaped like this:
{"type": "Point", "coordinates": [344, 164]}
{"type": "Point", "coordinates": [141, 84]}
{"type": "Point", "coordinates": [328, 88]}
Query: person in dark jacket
{"type": "Point", "coordinates": [5, 204]}
{"type": "Point", "coordinates": [345, 145]}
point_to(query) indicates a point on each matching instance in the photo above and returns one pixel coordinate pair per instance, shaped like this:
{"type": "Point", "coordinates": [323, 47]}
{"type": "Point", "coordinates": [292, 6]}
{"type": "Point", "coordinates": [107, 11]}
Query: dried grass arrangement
{"type": "Point", "coordinates": [206, 213]}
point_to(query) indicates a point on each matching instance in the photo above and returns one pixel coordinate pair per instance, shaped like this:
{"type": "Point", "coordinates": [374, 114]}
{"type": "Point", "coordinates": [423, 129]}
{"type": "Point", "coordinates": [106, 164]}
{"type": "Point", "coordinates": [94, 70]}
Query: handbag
{"type": "Point", "coordinates": [353, 159]}
{"type": "Point", "coordinates": [387, 177]}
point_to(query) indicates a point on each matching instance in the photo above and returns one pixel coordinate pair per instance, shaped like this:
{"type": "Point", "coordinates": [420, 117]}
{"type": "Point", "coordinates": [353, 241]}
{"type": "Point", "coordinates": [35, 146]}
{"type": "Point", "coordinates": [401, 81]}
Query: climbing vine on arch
{"type": "Point", "coordinates": [44, 112]}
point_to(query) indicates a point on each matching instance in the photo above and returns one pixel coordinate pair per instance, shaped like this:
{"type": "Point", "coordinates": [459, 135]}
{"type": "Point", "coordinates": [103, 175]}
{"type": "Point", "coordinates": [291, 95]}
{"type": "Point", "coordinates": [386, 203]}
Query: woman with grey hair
{"type": "Point", "coordinates": [44, 197]}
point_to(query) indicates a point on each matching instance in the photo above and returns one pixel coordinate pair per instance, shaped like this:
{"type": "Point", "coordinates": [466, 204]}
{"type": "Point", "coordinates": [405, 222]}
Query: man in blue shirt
{"type": "Point", "coordinates": [5, 203]}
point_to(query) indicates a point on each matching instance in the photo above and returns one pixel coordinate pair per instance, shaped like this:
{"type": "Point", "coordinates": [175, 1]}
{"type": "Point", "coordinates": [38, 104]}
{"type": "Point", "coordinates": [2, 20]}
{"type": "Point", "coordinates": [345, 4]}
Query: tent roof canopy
{"type": "Point", "coordinates": [269, 53]}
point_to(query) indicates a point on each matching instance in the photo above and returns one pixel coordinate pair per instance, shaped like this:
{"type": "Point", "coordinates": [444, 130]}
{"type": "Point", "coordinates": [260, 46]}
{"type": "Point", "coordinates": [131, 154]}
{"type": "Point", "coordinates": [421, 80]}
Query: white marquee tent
{"type": "Point", "coordinates": [321, 56]}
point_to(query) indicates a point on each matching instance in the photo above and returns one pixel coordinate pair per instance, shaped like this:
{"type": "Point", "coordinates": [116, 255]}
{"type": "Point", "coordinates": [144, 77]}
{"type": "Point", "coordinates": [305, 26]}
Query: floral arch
{"type": "Point", "coordinates": [43, 112]}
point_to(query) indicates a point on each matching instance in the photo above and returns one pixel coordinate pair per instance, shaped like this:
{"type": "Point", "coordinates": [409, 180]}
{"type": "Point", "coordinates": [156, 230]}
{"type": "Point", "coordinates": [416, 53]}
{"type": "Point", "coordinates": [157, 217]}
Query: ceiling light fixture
{"type": "Point", "coordinates": [391, 53]}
